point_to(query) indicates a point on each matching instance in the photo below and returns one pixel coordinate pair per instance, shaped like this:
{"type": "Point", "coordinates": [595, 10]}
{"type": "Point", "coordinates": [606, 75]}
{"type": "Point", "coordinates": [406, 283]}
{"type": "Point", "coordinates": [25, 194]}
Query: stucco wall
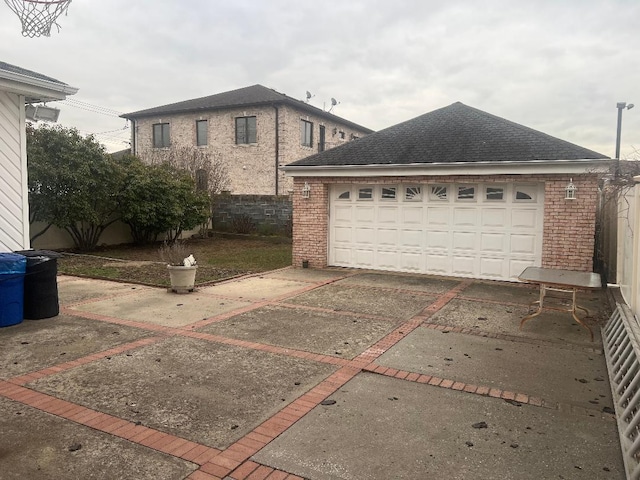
{"type": "Point", "coordinates": [251, 168]}
{"type": "Point", "coordinates": [568, 230]}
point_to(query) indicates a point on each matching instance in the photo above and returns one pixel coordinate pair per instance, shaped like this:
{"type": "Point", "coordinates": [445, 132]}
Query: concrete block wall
{"type": "Point", "coordinates": [568, 228]}
{"type": "Point", "coordinates": [251, 168]}
{"type": "Point", "coordinates": [271, 210]}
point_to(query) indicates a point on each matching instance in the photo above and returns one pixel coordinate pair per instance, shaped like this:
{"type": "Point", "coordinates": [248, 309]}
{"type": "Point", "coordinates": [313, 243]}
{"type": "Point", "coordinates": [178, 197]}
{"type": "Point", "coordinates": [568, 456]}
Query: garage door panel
{"type": "Point", "coordinates": [343, 214]}
{"type": "Point", "coordinates": [464, 265]}
{"type": "Point", "coordinates": [438, 239]}
{"type": "Point", "coordinates": [412, 215]}
{"type": "Point", "coordinates": [439, 264]}
{"type": "Point", "coordinates": [387, 260]}
{"type": "Point", "coordinates": [524, 218]}
{"type": "Point", "coordinates": [364, 236]}
{"type": "Point", "coordinates": [493, 242]}
{"type": "Point", "coordinates": [516, 267]}
{"type": "Point", "coordinates": [464, 241]}
{"type": "Point", "coordinates": [411, 261]}
{"type": "Point", "coordinates": [523, 244]}
{"type": "Point", "coordinates": [387, 237]}
{"type": "Point", "coordinates": [438, 217]}
{"type": "Point", "coordinates": [388, 214]}
{"type": "Point", "coordinates": [364, 214]}
{"type": "Point", "coordinates": [465, 217]}
{"type": "Point", "coordinates": [342, 256]}
{"type": "Point", "coordinates": [495, 238]}
{"type": "Point", "coordinates": [364, 257]}
{"type": "Point", "coordinates": [342, 235]}
{"type": "Point", "coordinates": [492, 267]}
{"type": "Point", "coordinates": [410, 238]}
{"type": "Point", "coordinates": [494, 217]}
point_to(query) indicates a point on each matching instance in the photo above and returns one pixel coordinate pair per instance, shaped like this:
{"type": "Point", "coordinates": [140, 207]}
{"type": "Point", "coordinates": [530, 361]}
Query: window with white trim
{"type": "Point", "coordinates": [494, 194]}
{"type": "Point", "coordinates": [306, 133]}
{"type": "Point", "coordinates": [388, 193]}
{"type": "Point", "coordinates": [524, 193]}
{"type": "Point", "coordinates": [413, 194]}
{"type": "Point", "coordinates": [161, 136]}
{"type": "Point", "coordinates": [466, 192]}
{"type": "Point", "coordinates": [365, 193]}
{"type": "Point", "coordinates": [246, 129]}
{"type": "Point", "coordinates": [438, 192]}
{"type": "Point", "coordinates": [344, 195]}
{"type": "Point", "coordinates": [202, 127]}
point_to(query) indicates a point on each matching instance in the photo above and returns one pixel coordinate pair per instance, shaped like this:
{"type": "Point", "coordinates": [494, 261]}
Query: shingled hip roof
{"type": "Point", "coordinates": [457, 134]}
{"type": "Point", "coordinates": [255, 95]}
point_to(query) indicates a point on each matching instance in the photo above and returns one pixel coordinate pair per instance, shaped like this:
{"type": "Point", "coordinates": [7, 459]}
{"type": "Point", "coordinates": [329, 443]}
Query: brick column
{"type": "Point", "coordinates": [310, 223]}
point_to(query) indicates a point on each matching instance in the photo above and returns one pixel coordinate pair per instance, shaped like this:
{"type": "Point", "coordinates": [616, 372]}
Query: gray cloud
{"type": "Point", "coordinates": [558, 67]}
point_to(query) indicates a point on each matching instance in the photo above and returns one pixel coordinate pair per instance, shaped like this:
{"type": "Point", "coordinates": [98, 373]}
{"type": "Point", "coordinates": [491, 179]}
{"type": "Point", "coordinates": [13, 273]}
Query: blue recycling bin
{"type": "Point", "coordinates": [12, 271]}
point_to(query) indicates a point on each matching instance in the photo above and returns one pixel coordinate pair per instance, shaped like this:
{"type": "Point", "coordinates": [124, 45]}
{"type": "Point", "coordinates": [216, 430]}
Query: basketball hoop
{"type": "Point", "coordinates": [38, 16]}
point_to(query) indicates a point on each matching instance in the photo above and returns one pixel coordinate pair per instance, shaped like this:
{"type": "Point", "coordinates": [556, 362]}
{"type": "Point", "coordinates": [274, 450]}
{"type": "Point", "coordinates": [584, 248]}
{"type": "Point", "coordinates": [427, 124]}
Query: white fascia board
{"type": "Point", "coordinates": [34, 87]}
{"type": "Point", "coordinates": [532, 167]}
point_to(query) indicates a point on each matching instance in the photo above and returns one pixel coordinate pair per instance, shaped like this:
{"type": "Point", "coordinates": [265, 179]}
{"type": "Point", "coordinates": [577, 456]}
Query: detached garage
{"type": "Point", "coordinates": [454, 192]}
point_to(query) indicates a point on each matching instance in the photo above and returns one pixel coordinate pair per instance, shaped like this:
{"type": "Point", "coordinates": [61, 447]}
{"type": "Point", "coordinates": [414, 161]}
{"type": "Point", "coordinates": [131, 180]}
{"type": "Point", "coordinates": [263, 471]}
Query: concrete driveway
{"type": "Point", "coordinates": [319, 374]}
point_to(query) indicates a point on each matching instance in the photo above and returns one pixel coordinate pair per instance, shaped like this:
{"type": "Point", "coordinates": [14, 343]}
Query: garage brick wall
{"type": "Point", "coordinates": [568, 230]}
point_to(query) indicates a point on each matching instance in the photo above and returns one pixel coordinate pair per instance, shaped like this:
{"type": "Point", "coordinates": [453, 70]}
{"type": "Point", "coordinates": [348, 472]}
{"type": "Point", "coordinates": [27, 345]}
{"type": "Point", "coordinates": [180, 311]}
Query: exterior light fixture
{"type": "Point", "coordinates": [306, 190]}
{"type": "Point", "coordinates": [570, 191]}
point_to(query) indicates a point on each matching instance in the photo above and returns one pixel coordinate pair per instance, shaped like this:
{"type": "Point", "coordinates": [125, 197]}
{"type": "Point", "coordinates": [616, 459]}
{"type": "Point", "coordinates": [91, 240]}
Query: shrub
{"type": "Point", "coordinates": [243, 224]}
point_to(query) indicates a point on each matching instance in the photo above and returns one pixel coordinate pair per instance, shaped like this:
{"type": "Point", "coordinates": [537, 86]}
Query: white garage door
{"type": "Point", "coordinates": [490, 230]}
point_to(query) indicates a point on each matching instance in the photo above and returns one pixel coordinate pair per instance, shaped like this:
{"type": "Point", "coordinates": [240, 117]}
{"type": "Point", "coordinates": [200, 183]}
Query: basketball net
{"type": "Point", "coordinates": [38, 16]}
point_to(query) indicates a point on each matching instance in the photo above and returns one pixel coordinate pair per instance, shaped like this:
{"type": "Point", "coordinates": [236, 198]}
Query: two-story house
{"type": "Point", "coordinates": [254, 131]}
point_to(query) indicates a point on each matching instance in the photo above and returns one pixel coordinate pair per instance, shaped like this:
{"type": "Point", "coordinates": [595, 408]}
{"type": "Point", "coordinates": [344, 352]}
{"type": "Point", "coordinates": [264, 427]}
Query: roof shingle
{"type": "Point", "coordinates": [242, 97]}
{"type": "Point", "coordinates": [457, 133]}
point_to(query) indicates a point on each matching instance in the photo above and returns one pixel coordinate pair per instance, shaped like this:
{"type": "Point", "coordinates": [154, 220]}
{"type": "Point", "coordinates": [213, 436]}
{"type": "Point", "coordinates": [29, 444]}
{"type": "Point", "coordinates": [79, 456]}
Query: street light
{"type": "Point", "coordinates": [620, 106]}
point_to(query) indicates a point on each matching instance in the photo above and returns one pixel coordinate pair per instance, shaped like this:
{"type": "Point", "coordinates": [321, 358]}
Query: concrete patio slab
{"type": "Point", "coordinates": [340, 335]}
{"type": "Point", "coordinates": [75, 289]}
{"type": "Point", "coordinates": [38, 446]}
{"type": "Point", "coordinates": [37, 344]}
{"type": "Point", "coordinates": [161, 307]}
{"type": "Point", "coordinates": [308, 274]}
{"type": "Point", "coordinates": [202, 391]}
{"type": "Point", "coordinates": [370, 301]}
{"type": "Point", "coordinates": [543, 370]}
{"type": "Point", "coordinates": [254, 288]}
{"type": "Point", "coordinates": [421, 283]}
{"type": "Point", "coordinates": [502, 291]}
{"type": "Point", "coordinates": [550, 326]}
{"type": "Point", "coordinates": [383, 427]}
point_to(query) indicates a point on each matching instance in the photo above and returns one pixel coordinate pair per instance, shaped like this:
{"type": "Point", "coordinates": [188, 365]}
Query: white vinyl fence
{"type": "Point", "coordinates": [628, 262]}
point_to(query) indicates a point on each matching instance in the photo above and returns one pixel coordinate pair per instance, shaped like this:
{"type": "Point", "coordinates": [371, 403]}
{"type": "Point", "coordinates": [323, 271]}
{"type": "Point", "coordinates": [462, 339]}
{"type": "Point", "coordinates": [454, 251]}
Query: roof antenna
{"type": "Point", "coordinates": [334, 102]}
{"type": "Point", "coordinates": [309, 96]}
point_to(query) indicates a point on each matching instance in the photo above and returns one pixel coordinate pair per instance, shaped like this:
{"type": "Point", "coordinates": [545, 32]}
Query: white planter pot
{"type": "Point", "coordinates": [183, 279]}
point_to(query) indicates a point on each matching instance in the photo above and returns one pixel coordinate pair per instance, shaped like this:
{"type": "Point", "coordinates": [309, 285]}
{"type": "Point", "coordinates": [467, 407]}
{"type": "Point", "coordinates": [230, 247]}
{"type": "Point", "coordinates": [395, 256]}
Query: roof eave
{"type": "Point", "coordinates": [530, 167]}
{"type": "Point", "coordinates": [36, 88]}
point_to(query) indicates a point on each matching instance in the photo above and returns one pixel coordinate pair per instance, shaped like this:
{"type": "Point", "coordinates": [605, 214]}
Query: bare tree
{"type": "Point", "coordinates": [207, 170]}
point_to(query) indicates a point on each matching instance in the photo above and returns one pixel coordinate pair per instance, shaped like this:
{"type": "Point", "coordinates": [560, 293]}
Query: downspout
{"type": "Point", "coordinates": [133, 136]}
{"type": "Point", "coordinates": [277, 145]}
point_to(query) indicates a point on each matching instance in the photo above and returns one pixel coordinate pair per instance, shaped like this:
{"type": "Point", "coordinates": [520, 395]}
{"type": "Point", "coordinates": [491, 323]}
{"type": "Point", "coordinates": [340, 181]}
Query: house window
{"type": "Point", "coordinates": [438, 192]}
{"type": "Point", "coordinates": [413, 194]}
{"type": "Point", "coordinates": [365, 193]}
{"type": "Point", "coordinates": [494, 193]}
{"type": "Point", "coordinates": [344, 195]}
{"type": "Point", "coordinates": [201, 132]}
{"type": "Point", "coordinates": [161, 135]}
{"type": "Point", "coordinates": [466, 192]}
{"type": "Point", "coordinates": [388, 193]}
{"type": "Point", "coordinates": [245, 130]}
{"type": "Point", "coordinates": [306, 133]}
{"type": "Point", "coordinates": [525, 193]}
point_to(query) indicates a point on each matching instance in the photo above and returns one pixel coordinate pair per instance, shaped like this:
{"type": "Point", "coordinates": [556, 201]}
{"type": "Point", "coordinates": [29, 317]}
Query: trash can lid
{"type": "Point", "coordinates": [11, 263]}
{"type": "Point", "coordinates": [39, 253]}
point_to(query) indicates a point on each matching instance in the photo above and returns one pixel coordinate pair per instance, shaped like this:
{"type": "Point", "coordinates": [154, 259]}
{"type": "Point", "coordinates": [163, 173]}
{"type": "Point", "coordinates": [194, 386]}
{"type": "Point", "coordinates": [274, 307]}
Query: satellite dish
{"type": "Point", "coordinates": [334, 102]}
{"type": "Point", "coordinates": [309, 95]}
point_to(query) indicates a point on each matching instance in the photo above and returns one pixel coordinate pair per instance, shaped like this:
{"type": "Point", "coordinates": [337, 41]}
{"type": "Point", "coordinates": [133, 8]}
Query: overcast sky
{"type": "Point", "coordinates": [556, 66]}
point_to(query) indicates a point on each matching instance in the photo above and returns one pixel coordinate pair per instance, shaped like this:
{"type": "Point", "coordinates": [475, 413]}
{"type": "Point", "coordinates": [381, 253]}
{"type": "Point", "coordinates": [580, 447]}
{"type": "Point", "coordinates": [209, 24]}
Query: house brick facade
{"type": "Point", "coordinates": [253, 168]}
{"type": "Point", "coordinates": [568, 225]}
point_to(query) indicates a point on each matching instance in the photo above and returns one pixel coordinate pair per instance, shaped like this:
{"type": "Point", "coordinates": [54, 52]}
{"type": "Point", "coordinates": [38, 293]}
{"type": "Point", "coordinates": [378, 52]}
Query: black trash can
{"type": "Point", "coordinates": [41, 284]}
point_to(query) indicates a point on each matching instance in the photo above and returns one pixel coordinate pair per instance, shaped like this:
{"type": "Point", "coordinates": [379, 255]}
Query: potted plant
{"type": "Point", "coordinates": [181, 265]}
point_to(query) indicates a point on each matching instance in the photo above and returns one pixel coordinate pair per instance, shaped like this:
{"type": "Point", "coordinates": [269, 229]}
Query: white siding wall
{"type": "Point", "coordinates": [14, 207]}
{"type": "Point", "coordinates": [629, 248]}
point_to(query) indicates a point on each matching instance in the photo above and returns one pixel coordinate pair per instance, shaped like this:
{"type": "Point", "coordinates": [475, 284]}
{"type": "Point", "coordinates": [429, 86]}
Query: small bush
{"type": "Point", "coordinates": [267, 229]}
{"type": "Point", "coordinates": [243, 224]}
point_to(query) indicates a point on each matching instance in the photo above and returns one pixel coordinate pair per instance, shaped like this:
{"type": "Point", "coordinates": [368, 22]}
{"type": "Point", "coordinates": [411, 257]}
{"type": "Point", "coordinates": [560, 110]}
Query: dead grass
{"type": "Point", "coordinates": [218, 258]}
